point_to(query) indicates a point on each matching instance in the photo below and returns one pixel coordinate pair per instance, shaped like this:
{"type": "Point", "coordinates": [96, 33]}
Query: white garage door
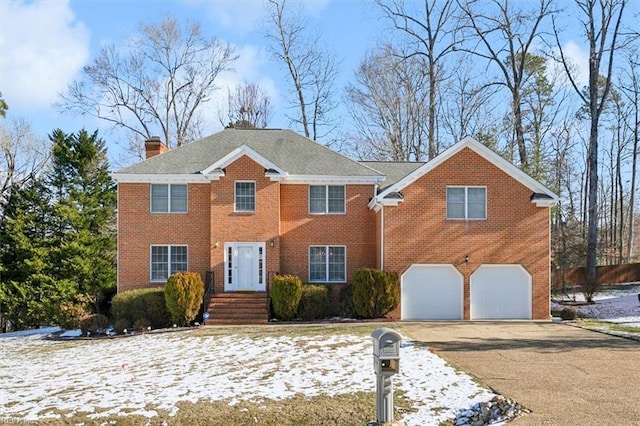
{"type": "Point", "coordinates": [500, 292]}
{"type": "Point", "coordinates": [432, 292]}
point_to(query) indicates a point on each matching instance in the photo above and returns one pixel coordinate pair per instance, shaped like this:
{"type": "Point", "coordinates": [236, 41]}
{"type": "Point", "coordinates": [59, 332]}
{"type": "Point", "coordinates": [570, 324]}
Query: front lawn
{"type": "Point", "coordinates": [265, 375]}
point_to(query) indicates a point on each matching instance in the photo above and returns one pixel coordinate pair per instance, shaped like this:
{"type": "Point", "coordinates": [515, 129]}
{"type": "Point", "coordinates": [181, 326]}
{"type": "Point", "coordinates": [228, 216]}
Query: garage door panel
{"type": "Point", "coordinates": [432, 292]}
{"type": "Point", "coordinates": [500, 292]}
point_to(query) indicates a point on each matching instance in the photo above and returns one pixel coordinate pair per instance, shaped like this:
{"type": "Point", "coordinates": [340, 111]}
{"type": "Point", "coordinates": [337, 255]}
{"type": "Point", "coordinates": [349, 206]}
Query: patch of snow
{"type": "Point", "coordinates": [33, 332]}
{"type": "Point", "coordinates": [617, 305]}
{"type": "Point", "coordinates": [71, 333]}
{"type": "Point", "coordinates": [154, 372]}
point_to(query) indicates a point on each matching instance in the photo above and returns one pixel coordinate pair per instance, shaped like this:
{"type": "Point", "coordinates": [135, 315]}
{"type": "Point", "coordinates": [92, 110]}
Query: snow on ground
{"type": "Point", "coordinates": [618, 304]}
{"type": "Point", "coordinates": [150, 372]}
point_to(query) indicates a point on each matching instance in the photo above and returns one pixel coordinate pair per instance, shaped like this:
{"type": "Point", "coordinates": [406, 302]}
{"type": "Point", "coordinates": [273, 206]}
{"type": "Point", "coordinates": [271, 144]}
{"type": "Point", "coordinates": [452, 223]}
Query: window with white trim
{"type": "Point", "coordinates": [326, 199]}
{"type": "Point", "coordinates": [168, 198]}
{"type": "Point", "coordinates": [167, 260]}
{"type": "Point", "coordinates": [327, 264]}
{"type": "Point", "coordinates": [466, 202]}
{"type": "Point", "coordinates": [245, 196]}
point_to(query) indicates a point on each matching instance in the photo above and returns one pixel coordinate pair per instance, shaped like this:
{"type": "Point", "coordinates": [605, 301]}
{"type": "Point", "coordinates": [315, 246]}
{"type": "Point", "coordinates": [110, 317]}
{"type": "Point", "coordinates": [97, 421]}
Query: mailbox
{"type": "Point", "coordinates": [386, 351]}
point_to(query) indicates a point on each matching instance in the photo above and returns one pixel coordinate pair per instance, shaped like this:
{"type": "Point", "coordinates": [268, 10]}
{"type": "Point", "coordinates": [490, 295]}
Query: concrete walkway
{"type": "Point", "coordinates": [565, 375]}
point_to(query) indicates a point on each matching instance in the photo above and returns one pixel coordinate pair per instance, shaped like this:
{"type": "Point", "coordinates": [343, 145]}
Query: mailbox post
{"type": "Point", "coordinates": [386, 363]}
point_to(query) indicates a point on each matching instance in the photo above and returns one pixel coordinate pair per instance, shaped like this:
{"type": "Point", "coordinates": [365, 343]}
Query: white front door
{"type": "Point", "coordinates": [244, 267]}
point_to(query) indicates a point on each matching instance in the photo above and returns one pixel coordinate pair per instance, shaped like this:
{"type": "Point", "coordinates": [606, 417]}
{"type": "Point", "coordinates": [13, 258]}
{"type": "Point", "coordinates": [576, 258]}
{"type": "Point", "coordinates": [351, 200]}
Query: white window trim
{"type": "Point", "coordinates": [326, 200]}
{"type": "Point", "coordinates": [169, 260]}
{"type": "Point", "coordinates": [326, 266]}
{"type": "Point", "coordinates": [169, 185]}
{"type": "Point", "coordinates": [235, 196]}
{"type": "Point", "coordinates": [466, 203]}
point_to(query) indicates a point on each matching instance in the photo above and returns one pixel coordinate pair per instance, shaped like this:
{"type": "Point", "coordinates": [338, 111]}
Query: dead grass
{"type": "Point", "coordinates": [340, 410]}
{"type": "Point", "coordinates": [604, 325]}
{"type": "Point", "coordinates": [344, 409]}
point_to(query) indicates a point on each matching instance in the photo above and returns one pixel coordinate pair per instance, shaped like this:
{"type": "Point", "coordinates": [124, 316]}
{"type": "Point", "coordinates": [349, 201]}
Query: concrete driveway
{"type": "Point", "coordinates": [565, 375]}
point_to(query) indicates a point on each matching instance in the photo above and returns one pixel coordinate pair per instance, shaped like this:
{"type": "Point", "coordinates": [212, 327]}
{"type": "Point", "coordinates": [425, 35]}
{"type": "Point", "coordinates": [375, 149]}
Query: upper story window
{"type": "Point", "coordinates": [168, 198]}
{"type": "Point", "coordinates": [326, 199]}
{"type": "Point", "coordinates": [245, 196]}
{"type": "Point", "coordinates": [167, 260]}
{"type": "Point", "coordinates": [466, 202]}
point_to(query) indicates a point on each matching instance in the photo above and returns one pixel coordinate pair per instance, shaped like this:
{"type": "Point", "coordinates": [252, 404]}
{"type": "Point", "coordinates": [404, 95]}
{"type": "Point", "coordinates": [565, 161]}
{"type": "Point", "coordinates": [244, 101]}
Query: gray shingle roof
{"type": "Point", "coordinates": [288, 150]}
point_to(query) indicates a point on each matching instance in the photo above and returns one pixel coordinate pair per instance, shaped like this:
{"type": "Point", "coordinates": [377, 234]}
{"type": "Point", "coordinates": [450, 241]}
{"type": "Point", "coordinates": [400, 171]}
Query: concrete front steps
{"type": "Point", "coordinates": [238, 308]}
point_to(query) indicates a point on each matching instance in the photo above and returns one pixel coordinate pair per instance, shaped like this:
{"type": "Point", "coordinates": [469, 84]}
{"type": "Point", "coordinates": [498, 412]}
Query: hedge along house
{"type": "Point", "coordinates": [467, 232]}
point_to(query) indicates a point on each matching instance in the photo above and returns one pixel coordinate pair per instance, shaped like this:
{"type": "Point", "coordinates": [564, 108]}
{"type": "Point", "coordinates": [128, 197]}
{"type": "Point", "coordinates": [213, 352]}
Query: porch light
{"type": "Point", "coordinates": [272, 243]}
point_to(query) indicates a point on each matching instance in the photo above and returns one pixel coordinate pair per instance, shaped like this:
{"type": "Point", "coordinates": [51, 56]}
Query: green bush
{"type": "Point", "coordinates": [72, 311]}
{"type": "Point", "coordinates": [149, 303]}
{"type": "Point", "coordinates": [347, 310]}
{"type": "Point", "coordinates": [285, 296]}
{"type": "Point", "coordinates": [314, 302]}
{"type": "Point", "coordinates": [142, 325]}
{"type": "Point", "coordinates": [120, 326]}
{"type": "Point", "coordinates": [375, 293]}
{"type": "Point", "coordinates": [183, 294]}
{"type": "Point", "coordinates": [94, 324]}
{"type": "Point", "coordinates": [568, 313]}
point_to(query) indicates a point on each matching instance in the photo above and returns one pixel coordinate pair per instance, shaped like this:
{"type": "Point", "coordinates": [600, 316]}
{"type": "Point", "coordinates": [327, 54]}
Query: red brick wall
{"type": "Point", "coordinates": [138, 229]}
{"type": "Point", "coordinates": [515, 232]}
{"type": "Point", "coordinates": [229, 226]}
{"type": "Point", "coordinates": [356, 229]}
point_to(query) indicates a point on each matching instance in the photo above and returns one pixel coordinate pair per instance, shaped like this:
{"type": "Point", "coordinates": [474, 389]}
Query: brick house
{"type": "Point", "coordinates": [467, 232]}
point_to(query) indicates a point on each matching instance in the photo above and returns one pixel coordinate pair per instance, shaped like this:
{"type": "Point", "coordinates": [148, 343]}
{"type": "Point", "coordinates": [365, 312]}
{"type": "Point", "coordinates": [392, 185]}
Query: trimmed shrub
{"type": "Point", "coordinates": [94, 324]}
{"type": "Point", "coordinates": [347, 310]}
{"type": "Point", "coordinates": [71, 312]}
{"type": "Point", "coordinates": [285, 296]}
{"type": "Point", "coordinates": [120, 326]}
{"type": "Point", "coordinates": [149, 303]}
{"type": "Point", "coordinates": [183, 295]}
{"type": "Point", "coordinates": [142, 325]}
{"type": "Point", "coordinates": [568, 314]}
{"type": "Point", "coordinates": [375, 293]}
{"type": "Point", "coordinates": [314, 302]}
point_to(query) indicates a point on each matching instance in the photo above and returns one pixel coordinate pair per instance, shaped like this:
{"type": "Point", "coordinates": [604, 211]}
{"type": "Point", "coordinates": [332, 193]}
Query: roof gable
{"type": "Point", "coordinates": [544, 198]}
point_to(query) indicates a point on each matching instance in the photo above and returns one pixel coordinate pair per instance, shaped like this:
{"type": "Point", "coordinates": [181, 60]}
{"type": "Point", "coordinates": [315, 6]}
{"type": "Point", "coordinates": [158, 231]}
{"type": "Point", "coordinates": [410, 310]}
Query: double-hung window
{"type": "Point", "coordinates": [167, 260]}
{"type": "Point", "coordinates": [168, 198]}
{"type": "Point", "coordinates": [245, 196]}
{"type": "Point", "coordinates": [326, 199]}
{"type": "Point", "coordinates": [466, 202]}
{"type": "Point", "coordinates": [327, 264]}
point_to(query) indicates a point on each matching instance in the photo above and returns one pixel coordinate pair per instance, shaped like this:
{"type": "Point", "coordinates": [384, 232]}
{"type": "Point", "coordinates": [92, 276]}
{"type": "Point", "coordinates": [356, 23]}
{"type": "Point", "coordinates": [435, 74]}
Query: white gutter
{"type": "Point", "coordinates": [382, 238]}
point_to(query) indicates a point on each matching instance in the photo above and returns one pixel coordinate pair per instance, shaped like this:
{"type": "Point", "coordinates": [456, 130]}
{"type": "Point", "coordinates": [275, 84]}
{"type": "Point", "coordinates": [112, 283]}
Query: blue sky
{"type": "Point", "coordinates": [44, 44]}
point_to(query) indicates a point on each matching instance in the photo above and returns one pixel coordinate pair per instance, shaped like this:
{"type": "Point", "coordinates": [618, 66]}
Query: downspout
{"type": "Point", "coordinates": [117, 238]}
{"type": "Point", "coordinates": [382, 238]}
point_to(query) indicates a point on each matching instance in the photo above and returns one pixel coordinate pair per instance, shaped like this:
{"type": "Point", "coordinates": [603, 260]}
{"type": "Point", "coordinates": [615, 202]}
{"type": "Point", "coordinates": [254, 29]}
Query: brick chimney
{"type": "Point", "coordinates": [154, 146]}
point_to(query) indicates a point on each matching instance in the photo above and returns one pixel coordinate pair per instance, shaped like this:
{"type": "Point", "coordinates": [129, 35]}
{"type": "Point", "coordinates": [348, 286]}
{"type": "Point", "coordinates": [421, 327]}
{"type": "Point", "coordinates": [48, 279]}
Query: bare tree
{"type": "Point", "coordinates": [153, 84]}
{"type": "Point", "coordinates": [630, 89]}
{"type": "Point", "coordinates": [311, 69]}
{"type": "Point", "coordinates": [388, 105]}
{"type": "Point", "coordinates": [465, 102]}
{"type": "Point", "coordinates": [600, 20]}
{"type": "Point", "coordinates": [23, 155]}
{"type": "Point", "coordinates": [506, 39]}
{"type": "Point", "coordinates": [248, 106]}
{"type": "Point", "coordinates": [429, 33]}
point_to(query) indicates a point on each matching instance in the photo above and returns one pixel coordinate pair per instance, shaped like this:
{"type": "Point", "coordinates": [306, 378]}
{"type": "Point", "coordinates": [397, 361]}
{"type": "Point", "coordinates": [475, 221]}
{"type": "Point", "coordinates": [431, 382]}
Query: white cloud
{"type": "Point", "coordinates": [578, 58]}
{"type": "Point", "coordinates": [42, 48]}
{"type": "Point", "coordinates": [252, 67]}
{"type": "Point", "coordinates": [238, 16]}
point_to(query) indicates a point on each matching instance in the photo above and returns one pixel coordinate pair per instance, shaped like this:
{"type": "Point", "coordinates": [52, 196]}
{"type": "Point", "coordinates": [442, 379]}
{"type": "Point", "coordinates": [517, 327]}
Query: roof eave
{"type": "Point", "coordinates": [159, 178]}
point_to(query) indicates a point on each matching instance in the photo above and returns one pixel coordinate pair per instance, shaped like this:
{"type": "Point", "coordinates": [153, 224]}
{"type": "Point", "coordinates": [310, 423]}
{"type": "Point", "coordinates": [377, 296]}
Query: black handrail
{"type": "Point", "coordinates": [208, 292]}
